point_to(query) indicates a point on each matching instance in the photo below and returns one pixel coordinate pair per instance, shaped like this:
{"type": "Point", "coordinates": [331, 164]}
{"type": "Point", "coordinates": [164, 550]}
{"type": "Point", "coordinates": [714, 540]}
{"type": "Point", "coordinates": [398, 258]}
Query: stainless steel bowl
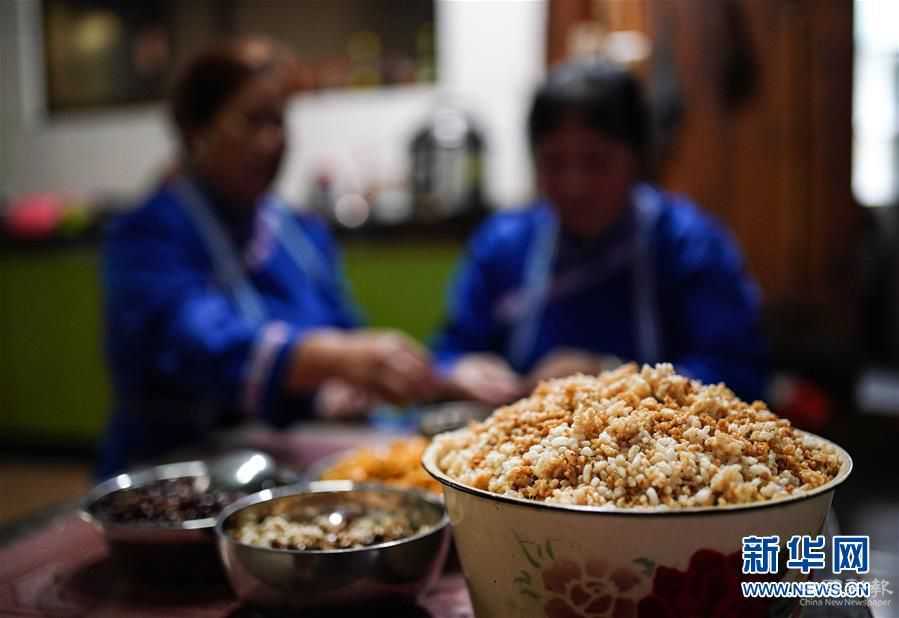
{"type": "Point", "coordinates": [176, 550]}
{"type": "Point", "coordinates": [283, 578]}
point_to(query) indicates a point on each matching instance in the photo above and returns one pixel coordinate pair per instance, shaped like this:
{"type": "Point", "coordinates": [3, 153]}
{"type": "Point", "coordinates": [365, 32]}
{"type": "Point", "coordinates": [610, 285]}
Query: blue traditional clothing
{"type": "Point", "coordinates": [203, 306]}
{"type": "Point", "coordinates": [664, 283]}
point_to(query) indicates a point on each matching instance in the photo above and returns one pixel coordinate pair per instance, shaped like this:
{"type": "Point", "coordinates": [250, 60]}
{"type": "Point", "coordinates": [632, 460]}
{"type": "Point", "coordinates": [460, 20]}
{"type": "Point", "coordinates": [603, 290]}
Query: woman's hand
{"type": "Point", "coordinates": [568, 361]}
{"type": "Point", "coordinates": [337, 399]}
{"type": "Point", "coordinates": [388, 364]}
{"type": "Point", "coordinates": [486, 378]}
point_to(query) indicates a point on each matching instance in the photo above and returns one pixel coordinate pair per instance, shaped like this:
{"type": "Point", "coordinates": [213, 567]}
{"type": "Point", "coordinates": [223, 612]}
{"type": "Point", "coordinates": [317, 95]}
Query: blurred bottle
{"type": "Point", "coordinates": [447, 160]}
{"type": "Point", "coordinates": [321, 197]}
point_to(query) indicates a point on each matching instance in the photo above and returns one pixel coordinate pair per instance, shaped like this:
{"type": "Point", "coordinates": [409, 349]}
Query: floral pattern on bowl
{"type": "Point", "coordinates": [568, 588]}
{"type": "Point", "coordinates": [709, 587]}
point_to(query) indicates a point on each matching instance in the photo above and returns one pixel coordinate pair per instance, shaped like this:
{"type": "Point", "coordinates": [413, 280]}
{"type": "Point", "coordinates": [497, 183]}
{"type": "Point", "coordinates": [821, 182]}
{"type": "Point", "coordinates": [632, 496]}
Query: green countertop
{"type": "Point", "coordinates": [53, 383]}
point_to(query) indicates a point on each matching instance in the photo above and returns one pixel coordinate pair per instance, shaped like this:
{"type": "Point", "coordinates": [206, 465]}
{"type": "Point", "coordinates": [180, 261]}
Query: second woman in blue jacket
{"type": "Point", "coordinates": [603, 267]}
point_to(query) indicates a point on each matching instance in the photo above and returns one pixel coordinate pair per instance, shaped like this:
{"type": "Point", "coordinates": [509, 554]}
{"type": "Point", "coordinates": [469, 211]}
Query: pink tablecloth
{"type": "Point", "coordinates": [63, 570]}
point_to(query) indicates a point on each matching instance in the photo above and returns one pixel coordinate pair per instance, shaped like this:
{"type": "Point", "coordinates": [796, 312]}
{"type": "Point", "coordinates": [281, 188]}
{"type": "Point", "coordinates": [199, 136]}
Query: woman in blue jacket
{"type": "Point", "coordinates": [221, 303]}
{"type": "Point", "coordinates": [603, 266]}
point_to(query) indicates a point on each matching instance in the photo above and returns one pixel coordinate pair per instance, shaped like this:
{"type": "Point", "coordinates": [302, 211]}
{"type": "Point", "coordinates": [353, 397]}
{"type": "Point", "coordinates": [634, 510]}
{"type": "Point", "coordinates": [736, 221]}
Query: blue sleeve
{"type": "Point", "coordinates": [169, 326]}
{"type": "Point", "coordinates": [716, 329]}
{"type": "Point", "coordinates": [471, 324]}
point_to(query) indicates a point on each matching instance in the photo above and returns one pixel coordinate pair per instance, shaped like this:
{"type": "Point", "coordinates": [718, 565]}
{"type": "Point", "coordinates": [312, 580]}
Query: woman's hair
{"type": "Point", "coordinates": [606, 97]}
{"type": "Point", "coordinates": [215, 75]}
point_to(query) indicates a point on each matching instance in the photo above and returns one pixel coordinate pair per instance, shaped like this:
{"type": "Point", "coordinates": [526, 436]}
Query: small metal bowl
{"type": "Point", "coordinates": [450, 415]}
{"type": "Point", "coordinates": [399, 570]}
{"type": "Point", "coordinates": [175, 550]}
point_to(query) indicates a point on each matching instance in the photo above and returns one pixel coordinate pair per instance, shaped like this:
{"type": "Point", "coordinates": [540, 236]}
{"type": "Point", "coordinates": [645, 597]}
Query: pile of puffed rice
{"type": "Point", "coordinates": [636, 438]}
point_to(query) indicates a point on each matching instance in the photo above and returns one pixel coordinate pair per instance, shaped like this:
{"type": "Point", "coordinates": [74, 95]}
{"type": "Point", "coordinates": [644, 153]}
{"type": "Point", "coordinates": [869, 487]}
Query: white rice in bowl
{"type": "Point", "coordinates": [636, 438]}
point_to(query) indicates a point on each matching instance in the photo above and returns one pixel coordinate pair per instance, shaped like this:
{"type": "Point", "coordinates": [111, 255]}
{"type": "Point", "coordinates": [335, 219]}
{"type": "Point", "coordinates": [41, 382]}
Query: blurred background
{"type": "Point", "coordinates": [780, 118]}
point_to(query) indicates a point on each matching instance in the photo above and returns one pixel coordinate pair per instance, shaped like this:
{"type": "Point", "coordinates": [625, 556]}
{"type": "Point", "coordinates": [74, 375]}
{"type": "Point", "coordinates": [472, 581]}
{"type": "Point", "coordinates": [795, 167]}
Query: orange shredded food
{"type": "Point", "coordinates": [399, 466]}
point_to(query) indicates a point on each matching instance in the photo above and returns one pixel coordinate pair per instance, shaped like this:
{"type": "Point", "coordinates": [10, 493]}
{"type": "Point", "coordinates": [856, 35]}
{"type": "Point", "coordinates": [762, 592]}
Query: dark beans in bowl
{"type": "Point", "coordinates": [165, 501]}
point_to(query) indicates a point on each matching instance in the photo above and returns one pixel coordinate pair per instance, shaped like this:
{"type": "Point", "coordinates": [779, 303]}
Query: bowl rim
{"type": "Point", "coordinates": [140, 477]}
{"type": "Point", "coordinates": [325, 487]}
{"type": "Point", "coordinates": [430, 465]}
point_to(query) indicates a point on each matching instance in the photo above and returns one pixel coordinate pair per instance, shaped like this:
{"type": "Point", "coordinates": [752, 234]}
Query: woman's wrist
{"type": "Point", "coordinates": [316, 358]}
